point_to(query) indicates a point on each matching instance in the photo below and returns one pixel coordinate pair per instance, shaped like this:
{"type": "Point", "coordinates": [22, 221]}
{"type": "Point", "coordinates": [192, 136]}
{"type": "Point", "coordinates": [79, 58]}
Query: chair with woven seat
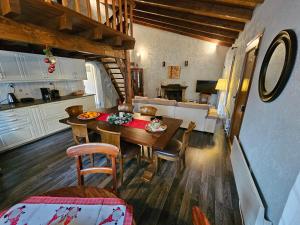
{"type": "Point", "coordinates": [74, 110]}
{"type": "Point", "coordinates": [127, 108]}
{"type": "Point", "coordinates": [110, 151]}
{"type": "Point", "coordinates": [148, 110]}
{"type": "Point", "coordinates": [81, 136]}
{"type": "Point", "coordinates": [175, 149]}
{"type": "Point", "coordinates": [127, 150]}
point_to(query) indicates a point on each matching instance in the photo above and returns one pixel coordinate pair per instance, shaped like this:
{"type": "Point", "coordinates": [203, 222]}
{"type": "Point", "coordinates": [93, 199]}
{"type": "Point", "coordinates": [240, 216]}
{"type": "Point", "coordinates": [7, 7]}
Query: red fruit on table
{"type": "Point", "coordinates": [52, 66]}
{"type": "Point", "coordinates": [46, 60]}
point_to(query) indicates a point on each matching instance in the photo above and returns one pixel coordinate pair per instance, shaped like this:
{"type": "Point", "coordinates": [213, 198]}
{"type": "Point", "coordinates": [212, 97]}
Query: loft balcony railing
{"type": "Point", "coordinates": [118, 14]}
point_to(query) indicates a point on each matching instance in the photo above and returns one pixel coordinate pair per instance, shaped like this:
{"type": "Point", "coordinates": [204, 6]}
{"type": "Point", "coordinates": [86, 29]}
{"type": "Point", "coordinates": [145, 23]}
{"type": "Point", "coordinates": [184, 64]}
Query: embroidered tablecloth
{"type": "Point", "coordinates": [43, 210]}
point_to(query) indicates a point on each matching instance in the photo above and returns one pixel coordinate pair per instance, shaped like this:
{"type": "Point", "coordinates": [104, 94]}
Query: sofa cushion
{"type": "Point", "coordinates": [162, 101]}
{"type": "Point", "coordinates": [192, 105]}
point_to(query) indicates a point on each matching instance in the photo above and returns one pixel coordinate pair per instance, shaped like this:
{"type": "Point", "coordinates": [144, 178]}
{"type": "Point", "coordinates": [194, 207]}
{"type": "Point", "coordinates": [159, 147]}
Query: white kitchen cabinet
{"type": "Point", "coordinates": [17, 135]}
{"type": "Point", "coordinates": [73, 69]}
{"type": "Point", "coordinates": [19, 126]}
{"type": "Point", "coordinates": [10, 67]}
{"type": "Point", "coordinates": [27, 67]}
{"type": "Point", "coordinates": [31, 66]}
{"type": "Point", "coordinates": [56, 75]}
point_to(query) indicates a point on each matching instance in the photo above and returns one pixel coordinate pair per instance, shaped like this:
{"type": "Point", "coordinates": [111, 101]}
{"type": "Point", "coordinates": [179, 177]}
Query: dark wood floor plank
{"type": "Point", "coordinates": [207, 181]}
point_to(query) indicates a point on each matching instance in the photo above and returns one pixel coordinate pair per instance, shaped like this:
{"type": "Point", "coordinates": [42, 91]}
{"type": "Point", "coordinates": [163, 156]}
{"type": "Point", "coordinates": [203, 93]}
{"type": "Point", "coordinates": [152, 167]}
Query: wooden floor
{"type": "Point", "coordinates": [207, 180]}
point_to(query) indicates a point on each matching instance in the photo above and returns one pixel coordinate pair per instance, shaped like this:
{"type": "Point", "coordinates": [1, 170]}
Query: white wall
{"type": "Point", "coordinates": [206, 60]}
{"type": "Point", "coordinates": [107, 93]}
{"type": "Point", "coordinates": [270, 131]}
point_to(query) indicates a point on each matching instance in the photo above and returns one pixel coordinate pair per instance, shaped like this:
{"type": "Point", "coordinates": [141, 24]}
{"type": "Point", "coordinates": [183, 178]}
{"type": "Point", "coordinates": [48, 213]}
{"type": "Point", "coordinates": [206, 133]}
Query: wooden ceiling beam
{"type": "Point", "coordinates": [192, 18]}
{"type": "Point", "coordinates": [203, 8]}
{"type": "Point", "coordinates": [184, 24]}
{"type": "Point", "coordinates": [242, 3]}
{"type": "Point", "coordinates": [185, 33]}
{"type": "Point", "coordinates": [33, 34]}
{"type": "Point", "coordinates": [207, 36]}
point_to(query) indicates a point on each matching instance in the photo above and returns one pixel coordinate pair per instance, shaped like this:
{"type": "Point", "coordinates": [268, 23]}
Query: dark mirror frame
{"type": "Point", "coordinates": [289, 38]}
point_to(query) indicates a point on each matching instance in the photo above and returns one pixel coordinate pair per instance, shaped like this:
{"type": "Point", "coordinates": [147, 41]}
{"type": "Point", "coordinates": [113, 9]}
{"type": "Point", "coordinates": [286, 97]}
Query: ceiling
{"type": "Point", "coordinates": [218, 21]}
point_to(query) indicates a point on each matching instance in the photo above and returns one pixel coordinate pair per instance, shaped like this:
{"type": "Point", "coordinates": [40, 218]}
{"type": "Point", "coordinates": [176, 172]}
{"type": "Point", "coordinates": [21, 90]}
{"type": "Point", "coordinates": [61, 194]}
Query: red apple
{"type": "Point", "coordinates": [46, 60]}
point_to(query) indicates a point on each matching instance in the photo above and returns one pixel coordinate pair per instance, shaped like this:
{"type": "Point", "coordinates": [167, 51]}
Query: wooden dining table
{"type": "Point", "coordinates": [135, 135]}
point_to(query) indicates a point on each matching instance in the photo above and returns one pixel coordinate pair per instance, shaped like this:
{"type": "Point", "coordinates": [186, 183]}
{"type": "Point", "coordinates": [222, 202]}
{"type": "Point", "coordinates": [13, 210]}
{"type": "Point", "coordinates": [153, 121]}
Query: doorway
{"type": "Point", "coordinates": [244, 87]}
{"type": "Point", "coordinates": [91, 84]}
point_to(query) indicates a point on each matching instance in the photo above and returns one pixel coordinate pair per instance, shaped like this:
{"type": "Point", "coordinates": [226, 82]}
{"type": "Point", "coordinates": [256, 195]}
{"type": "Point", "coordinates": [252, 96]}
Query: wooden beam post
{"type": "Point", "coordinates": [128, 84]}
{"type": "Point", "coordinates": [65, 23]}
{"type": "Point", "coordinates": [10, 8]}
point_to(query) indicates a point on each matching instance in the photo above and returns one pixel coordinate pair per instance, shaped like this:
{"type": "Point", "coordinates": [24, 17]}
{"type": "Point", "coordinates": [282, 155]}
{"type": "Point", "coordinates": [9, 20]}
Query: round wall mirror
{"type": "Point", "coordinates": [277, 65]}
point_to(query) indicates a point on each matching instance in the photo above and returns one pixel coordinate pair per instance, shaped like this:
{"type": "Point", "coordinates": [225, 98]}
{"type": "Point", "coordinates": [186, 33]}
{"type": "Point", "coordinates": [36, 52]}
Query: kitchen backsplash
{"type": "Point", "coordinates": [32, 89]}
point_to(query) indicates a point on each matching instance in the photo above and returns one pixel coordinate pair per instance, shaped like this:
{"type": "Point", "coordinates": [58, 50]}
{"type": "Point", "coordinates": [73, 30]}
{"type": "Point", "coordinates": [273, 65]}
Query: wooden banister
{"type": "Point", "coordinates": [126, 16]}
{"type": "Point", "coordinates": [64, 3]}
{"type": "Point", "coordinates": [99, 11]}
{"type": "Point", "coordinates": [114, 14]}
{"type": "Point", "coordinates": [88, 8]}
{"type": "Point", "coordinates": [106, 13]}
{"type": "Point", "coordinates": [77, 6]}
{"type": "Point", "coordinates": [131, 19]}
{"type": "Point", "coordinates": [121, 16]}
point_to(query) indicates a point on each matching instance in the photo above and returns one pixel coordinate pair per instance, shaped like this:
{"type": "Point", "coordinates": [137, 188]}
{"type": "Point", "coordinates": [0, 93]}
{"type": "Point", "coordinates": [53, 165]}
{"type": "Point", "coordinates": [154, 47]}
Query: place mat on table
{"type": "Point", "coordinates": [68, 210]}
{"type": "Point", "coordinates": [135, 123]}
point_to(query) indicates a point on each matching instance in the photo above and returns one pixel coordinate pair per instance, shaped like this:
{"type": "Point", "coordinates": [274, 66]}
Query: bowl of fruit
{"type": "Point", "coordinates": [88, 115]}
{"type": "Point", "coordinates": [156, 125]}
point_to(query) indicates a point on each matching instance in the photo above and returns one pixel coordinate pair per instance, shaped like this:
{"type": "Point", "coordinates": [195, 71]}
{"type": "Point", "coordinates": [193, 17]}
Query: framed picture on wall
{"type": "Point", "coordinates": [174, 72]}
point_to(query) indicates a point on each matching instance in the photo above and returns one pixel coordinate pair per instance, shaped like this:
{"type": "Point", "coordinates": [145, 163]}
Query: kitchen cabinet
{"type": "Point", "coordinates": [73, 69]}
{"type": "Point", "coordinates": [56, 75]}
{"type": "Point", "coordinates": [31, 66]}
{"type": "Point", "coordinates": [19, 126]}
{"type": "Point", "coordinates": [26, 67]}
{"type": "Point", "coordinates": [18, 135]}
{"type": "Point", "coordinates": [10, 67]}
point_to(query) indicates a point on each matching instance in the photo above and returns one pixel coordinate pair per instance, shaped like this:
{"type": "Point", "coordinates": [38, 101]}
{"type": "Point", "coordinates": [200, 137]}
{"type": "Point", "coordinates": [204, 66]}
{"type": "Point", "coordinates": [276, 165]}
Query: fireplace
{"type": "Point", "coordinates": [174, 92]}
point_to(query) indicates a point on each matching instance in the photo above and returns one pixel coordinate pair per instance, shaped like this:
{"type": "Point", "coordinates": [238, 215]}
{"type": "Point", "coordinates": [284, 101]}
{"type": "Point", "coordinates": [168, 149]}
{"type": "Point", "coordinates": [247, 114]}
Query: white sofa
{"type": "Point", "coordinates": [204, 116]}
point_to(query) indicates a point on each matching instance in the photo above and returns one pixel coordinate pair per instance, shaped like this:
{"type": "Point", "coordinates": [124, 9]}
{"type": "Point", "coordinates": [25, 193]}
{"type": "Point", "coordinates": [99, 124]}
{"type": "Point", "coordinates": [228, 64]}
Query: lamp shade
{"type": "Point", "coordinates": [221, 85]}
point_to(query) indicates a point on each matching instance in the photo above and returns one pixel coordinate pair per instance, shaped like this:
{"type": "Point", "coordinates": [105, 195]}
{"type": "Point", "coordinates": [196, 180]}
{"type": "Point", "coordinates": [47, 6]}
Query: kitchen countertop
{"type": "Point", "coordinates": [39, 102]}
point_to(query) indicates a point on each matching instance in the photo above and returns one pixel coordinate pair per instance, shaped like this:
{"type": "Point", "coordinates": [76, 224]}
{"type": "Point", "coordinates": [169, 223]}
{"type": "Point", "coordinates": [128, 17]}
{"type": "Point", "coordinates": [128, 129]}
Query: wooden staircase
{"type": "Point", "coordinates": [116, 69]}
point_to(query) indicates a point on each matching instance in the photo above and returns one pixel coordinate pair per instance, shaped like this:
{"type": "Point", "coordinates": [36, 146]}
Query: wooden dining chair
{"type": "Point", "coordinates": [175, 149]}
{"type": "Point", "coordinates": [80, 135]}
{"type": "Point", "coordinates": [148, 110]}
{"type": "Point", "coordinates": [198, 217]}
{"type": "Point", "coordinates": [128, 108]}
{"type": "Point", "coordinates": [110, 151]}
{"type": "Point", "coordinates": [127, 150]}
{"type": "Point", "coordinates": [74, 110]}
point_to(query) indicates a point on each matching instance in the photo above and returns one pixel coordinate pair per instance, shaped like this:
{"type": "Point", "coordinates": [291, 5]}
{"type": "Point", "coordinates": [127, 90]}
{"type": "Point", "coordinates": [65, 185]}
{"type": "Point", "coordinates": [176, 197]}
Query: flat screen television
{"type": "Point", "coordinates": [206, 86]}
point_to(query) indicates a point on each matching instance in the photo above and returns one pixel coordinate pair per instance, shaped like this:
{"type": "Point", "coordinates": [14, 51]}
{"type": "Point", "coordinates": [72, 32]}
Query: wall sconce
{"type": "Point", "coordinates": [163, 64]}
{"type": "Point", "coordinates": [186, 63]}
